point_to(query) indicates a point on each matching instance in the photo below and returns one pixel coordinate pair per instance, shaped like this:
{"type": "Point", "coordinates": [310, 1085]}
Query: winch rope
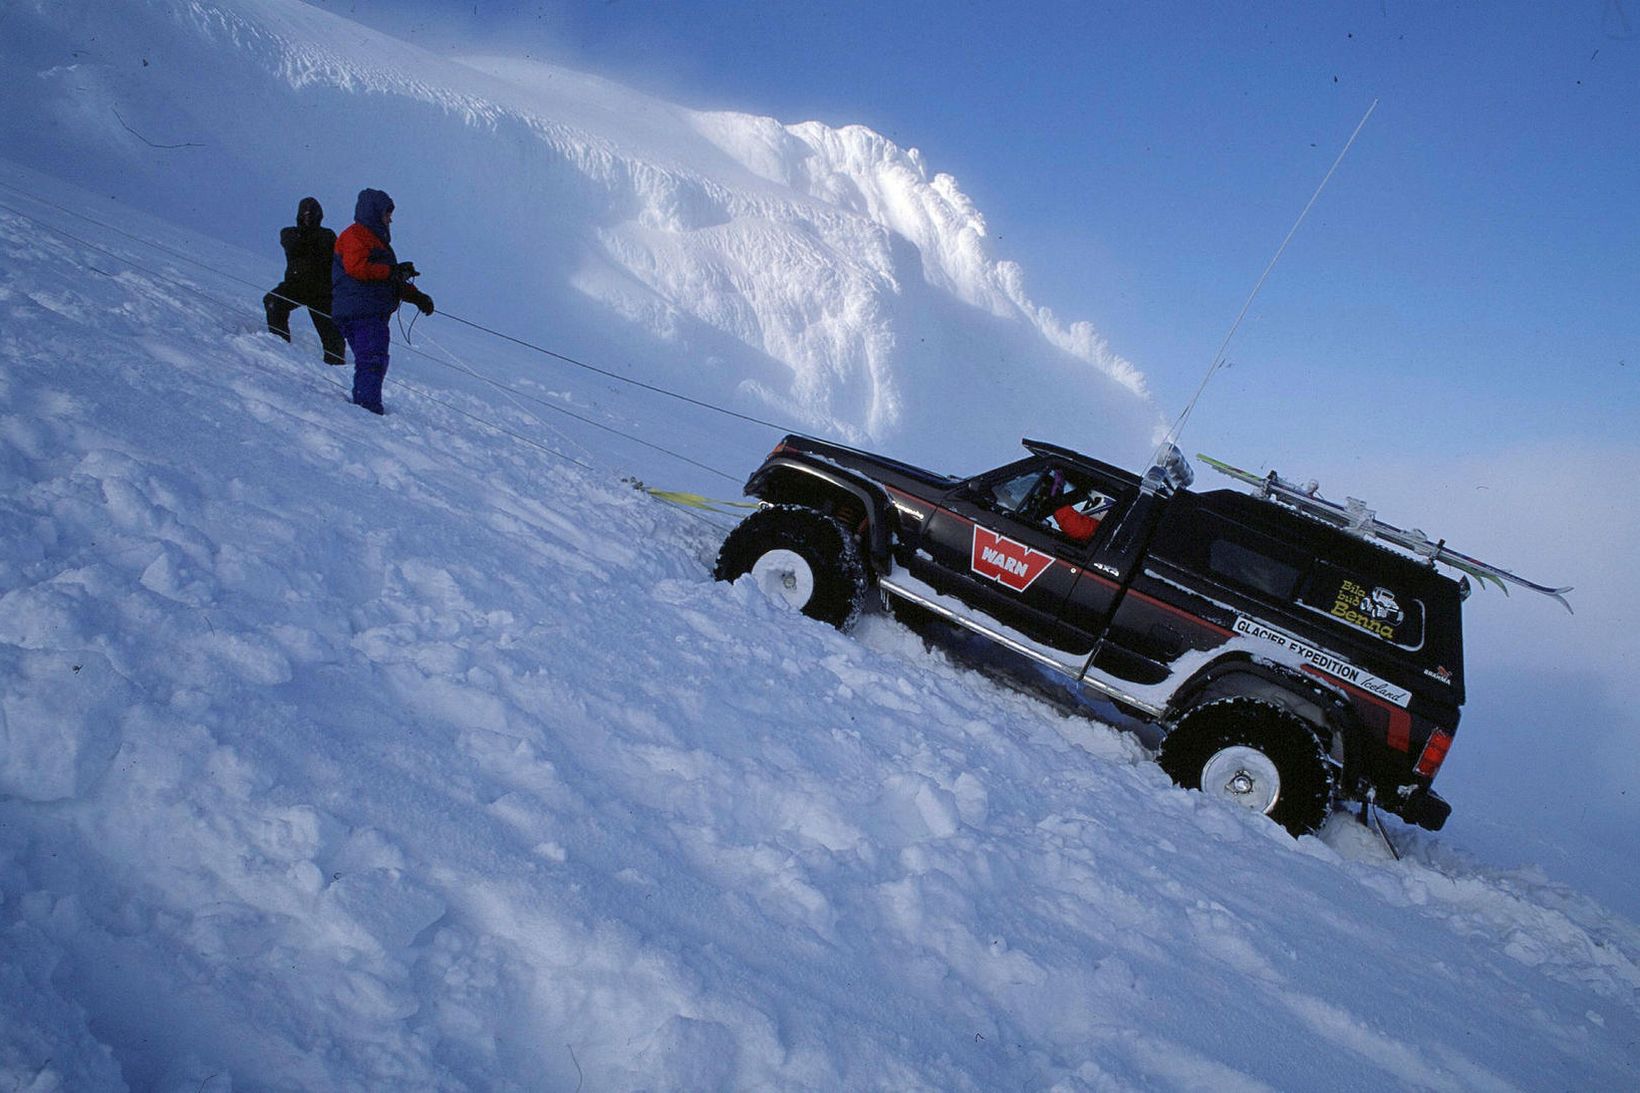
{"type": "Point", "coordinates": [232, 308]}
{"type": "Point", "coordinates": [543, 350]}
{"type": "Point", "coordinates": [453, 363]}
{"type": "Point", "coordinates": [617, 376]}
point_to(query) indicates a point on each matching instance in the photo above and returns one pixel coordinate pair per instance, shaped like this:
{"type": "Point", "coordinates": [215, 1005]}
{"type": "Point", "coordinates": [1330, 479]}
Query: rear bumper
{"type": "Point", "coordinates": [1425, 808]}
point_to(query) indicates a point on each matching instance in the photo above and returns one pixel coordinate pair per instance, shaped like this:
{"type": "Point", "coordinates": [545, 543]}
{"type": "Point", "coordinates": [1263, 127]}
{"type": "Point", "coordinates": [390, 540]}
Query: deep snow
{"type": "Point", "coordinates": [344, 752]}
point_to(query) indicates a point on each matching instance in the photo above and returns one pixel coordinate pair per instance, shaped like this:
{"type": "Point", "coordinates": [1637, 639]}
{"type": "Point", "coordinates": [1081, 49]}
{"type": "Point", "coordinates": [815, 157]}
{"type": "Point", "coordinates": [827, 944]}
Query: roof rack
{"type": "Point", "coordinates": [1354, 518]}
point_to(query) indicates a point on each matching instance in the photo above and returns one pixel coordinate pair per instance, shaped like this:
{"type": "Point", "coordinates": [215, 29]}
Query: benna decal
{"type": "Point", "coordinates": [1326, 662]}
{"type": "Point", "coordinates": [1012, 564]}
{"type": "Point", "coordinates": [1375, 611]}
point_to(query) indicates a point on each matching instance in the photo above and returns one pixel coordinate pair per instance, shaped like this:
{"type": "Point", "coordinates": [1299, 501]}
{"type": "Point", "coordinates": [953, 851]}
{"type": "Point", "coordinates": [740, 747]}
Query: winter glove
{"type": "Point", "coordinates": [403, 272]}
{"type": "Point", "coordinates": [420, 300]}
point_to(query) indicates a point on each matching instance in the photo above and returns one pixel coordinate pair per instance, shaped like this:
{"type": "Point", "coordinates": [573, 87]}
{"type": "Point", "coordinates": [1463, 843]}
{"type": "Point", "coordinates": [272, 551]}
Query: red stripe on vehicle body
{"type": "Point", "coordinates": [1400, 720]}
{"type": "Point", "coordinates": [975, 524]}
{"type": "Point", "coordinates": [1400, 729]}
{"type": "Point", "coordinates": [1177, 610]}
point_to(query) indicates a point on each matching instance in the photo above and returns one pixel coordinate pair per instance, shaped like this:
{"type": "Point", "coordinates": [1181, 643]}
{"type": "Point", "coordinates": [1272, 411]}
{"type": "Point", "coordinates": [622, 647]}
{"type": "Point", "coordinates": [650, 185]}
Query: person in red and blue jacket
{"type": "Point", "coordinates": [368, 281]}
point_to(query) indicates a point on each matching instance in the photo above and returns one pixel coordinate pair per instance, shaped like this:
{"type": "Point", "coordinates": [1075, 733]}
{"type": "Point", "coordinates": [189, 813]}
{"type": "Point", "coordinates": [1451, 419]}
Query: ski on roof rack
{"type": "Point", "coordinates": [1355, 518]}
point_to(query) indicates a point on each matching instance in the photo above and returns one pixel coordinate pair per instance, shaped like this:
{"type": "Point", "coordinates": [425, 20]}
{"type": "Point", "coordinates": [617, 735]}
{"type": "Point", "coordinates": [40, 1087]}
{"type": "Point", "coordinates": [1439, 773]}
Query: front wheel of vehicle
{"type": "Point", "coordinates": [1254, 755]}
{"type": "Point", "coordinates": [799, 557]}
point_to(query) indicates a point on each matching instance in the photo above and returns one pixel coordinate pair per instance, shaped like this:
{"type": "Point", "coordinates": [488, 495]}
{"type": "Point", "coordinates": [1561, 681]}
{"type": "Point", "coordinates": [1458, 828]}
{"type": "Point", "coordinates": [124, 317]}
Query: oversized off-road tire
{"type": "Point", "coordinates": [799, 557]}
{"type": "Point", "coordinates": [1255, 755]}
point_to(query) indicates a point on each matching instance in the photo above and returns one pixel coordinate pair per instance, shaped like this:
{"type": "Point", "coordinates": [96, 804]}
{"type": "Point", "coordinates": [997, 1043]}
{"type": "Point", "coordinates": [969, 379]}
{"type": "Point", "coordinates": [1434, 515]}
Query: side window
{"type": "Point", "coordinates": [1011, 495]}
{"type": "Point", "coordinates": [1241, 564]}
{"type": "Point", "coordinates": [1379, 609]}
{"type": "Point", "coordinates": [1065, 501]}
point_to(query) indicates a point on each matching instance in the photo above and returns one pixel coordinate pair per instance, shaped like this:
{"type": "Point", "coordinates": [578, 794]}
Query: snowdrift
{"type": "Point", "coordinates": [820, 276]}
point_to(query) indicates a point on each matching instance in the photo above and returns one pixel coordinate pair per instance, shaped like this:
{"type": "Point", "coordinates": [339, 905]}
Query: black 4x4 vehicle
{"type": "Point", "coordinates": [1291, 658]}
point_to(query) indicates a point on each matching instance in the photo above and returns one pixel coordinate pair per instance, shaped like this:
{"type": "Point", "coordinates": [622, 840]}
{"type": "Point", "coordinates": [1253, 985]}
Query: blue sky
{"type": "Point", "coordinates": [1467, 282]}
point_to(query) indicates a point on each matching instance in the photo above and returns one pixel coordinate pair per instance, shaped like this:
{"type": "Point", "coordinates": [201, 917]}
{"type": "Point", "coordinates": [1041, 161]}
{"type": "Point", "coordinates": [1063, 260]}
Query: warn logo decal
{"type": "Point", "coordinates": [1009, 563]}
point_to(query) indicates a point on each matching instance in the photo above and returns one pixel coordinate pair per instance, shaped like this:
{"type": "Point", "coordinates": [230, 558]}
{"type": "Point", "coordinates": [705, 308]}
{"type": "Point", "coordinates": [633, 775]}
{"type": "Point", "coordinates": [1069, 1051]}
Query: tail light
{"type": "Point", "coordinates": [1434, 753]}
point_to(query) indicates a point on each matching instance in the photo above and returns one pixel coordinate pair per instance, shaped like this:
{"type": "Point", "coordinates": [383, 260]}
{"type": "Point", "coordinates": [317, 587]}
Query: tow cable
{"type": "Point", "coordinates": [1372, 819]}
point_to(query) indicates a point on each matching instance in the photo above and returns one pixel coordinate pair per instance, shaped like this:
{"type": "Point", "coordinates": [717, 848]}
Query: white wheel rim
{"type": "Point", "coordinates": [1244, 776]}
{"type": "Point", "coordinates": [784, 575]}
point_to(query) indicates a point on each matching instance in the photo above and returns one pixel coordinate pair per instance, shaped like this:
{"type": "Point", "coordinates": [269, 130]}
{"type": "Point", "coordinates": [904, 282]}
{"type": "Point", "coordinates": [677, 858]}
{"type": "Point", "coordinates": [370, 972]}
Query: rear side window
{"type": "Point", "coordinates": [1379, 609]}
{"type": "Point", "coordinates": [1237, 556]}
{"type": "Point", "coordinates": [1242, 565]}
{"type": "Point", "coordinates": [1419, 616]}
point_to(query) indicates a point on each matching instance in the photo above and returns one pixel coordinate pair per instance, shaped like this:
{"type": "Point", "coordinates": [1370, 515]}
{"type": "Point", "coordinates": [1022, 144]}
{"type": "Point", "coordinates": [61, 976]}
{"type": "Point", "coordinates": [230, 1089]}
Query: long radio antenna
{"type": "Point", "coordinates": [1174, 433]}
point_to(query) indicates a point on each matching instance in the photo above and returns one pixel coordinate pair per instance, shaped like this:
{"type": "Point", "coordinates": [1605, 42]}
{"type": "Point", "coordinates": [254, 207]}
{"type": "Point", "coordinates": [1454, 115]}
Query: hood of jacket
{"type": "Point", "coordinates": [371, 211]}
{"type": "Point", "coordinates": [309, 213]}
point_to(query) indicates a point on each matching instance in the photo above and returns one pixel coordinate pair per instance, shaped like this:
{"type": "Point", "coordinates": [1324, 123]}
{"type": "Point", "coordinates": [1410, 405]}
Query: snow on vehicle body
{"type": "Point", "coordinates": [1290, 662]}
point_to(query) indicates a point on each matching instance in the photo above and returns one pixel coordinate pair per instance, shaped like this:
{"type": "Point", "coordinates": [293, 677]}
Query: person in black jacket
{"type": "Point", "coordinates": [308, 249]}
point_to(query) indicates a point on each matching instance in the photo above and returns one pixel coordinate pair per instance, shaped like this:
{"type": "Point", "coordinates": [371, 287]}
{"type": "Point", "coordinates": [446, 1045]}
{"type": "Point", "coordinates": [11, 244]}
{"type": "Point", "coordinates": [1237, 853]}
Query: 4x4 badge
{"type": "Point", "coordinates": [1012, 564]}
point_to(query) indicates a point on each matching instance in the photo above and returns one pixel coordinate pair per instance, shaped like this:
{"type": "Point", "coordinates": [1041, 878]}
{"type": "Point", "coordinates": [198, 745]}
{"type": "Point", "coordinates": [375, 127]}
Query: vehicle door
{"type": "Point", "coordinates": [994, 543]}
{"type": "Point", "coordinates": [1204, 578]}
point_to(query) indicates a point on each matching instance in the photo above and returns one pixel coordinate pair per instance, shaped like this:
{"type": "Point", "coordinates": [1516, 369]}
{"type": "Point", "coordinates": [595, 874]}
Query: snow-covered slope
{"type": "Point", "coordinates": [819, 276]}
{"type": "Point", "coordinates": [421, 752]}
{"type": "Point", "coordinates": [343, 752]}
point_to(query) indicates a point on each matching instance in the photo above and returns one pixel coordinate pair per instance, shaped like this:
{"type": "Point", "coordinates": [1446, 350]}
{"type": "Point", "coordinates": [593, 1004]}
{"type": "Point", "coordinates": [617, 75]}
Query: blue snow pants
{"type": "Point", "coordinates": [368, 339]}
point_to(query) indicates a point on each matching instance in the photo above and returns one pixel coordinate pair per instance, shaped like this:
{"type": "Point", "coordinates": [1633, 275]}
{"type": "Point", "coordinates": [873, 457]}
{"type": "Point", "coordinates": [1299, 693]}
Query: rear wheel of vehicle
{"type": "Point", "coordinates": [799, 557]}
{"type": "Point", "coordinates": [1254, 755]}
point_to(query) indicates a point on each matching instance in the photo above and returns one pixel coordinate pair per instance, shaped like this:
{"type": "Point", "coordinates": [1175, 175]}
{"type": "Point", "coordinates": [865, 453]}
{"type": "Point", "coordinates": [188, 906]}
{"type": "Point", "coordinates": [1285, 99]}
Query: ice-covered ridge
{"type": "Point", "coordinates": [853, 168]}
{"type": "Point", "coordinates": [818, 273]}
{"type": "Point", "coordinates": [856, 168]}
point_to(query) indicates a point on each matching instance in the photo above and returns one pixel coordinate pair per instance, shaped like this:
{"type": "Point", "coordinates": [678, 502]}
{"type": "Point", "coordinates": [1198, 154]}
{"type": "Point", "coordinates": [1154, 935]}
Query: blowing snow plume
{"type": "Point", "coordinates": [811, 275]}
